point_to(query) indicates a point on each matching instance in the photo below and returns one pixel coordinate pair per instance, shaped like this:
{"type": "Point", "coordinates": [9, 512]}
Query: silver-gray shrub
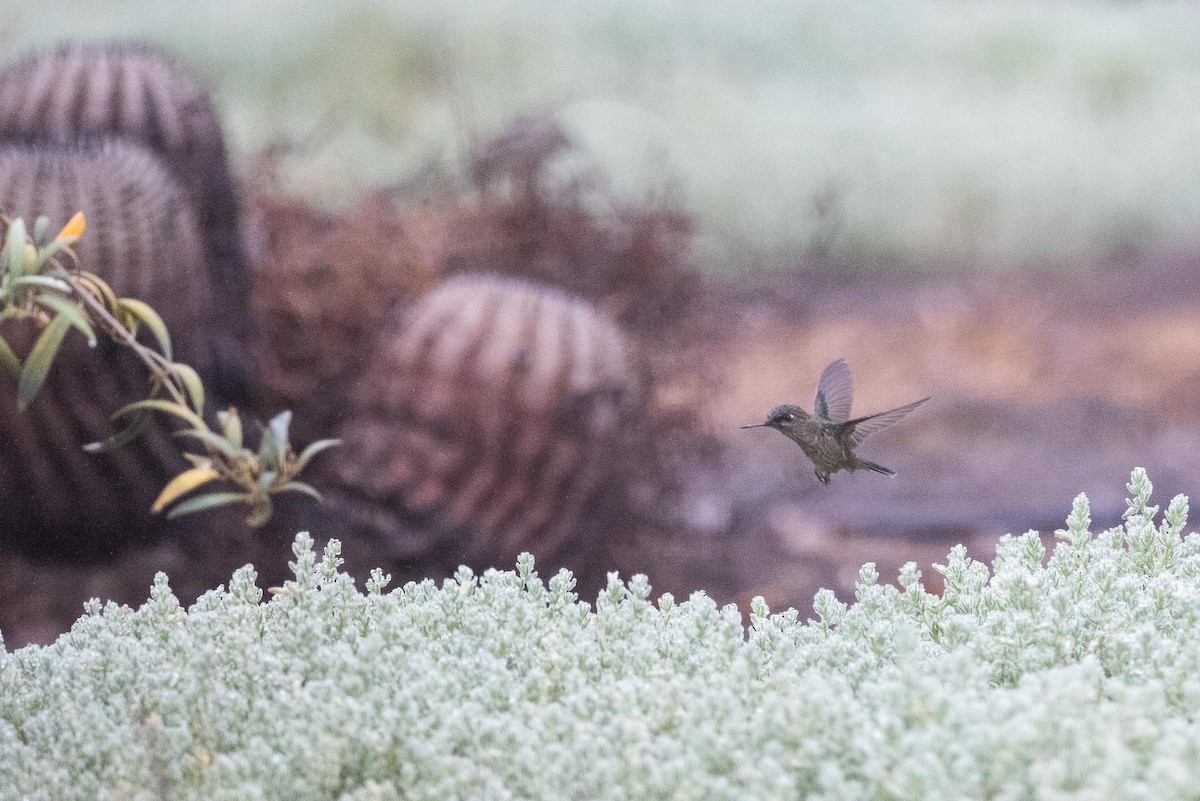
{"type": "Point", "coordinates": [1072, 677]}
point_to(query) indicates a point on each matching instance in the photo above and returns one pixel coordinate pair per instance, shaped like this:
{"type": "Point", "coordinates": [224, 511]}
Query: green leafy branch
{"type": "Point", "coordinates": [41, 280]}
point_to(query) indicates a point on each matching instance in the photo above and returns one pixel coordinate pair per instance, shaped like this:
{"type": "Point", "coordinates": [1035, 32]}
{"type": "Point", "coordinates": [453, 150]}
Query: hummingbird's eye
{"type": "Point", "coordinates": [787, 417]}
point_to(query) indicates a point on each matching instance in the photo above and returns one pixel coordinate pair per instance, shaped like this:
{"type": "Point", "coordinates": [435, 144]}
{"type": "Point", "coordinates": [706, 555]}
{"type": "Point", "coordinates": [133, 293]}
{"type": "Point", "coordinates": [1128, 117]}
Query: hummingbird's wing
{"type": "Point", "coordinates": [858, 430]}
{"type": "Point", "coordinates": [835, 390]}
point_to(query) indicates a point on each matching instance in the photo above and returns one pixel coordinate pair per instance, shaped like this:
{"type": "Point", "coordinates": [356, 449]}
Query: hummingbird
{"type": "Point", "coordinates": [828, 436]}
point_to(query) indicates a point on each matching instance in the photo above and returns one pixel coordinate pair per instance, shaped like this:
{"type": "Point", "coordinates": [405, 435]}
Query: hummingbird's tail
{"type": "Point", "coordinates": [863, 464]}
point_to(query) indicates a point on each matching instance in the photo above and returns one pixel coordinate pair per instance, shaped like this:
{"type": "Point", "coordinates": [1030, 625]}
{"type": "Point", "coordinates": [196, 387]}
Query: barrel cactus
{"type": "Point", "coordinates": [489, 421]}
{"type": "Point", "coordinates": [133, 91]}
{"type": "Point", "coordinates": [143, 239]}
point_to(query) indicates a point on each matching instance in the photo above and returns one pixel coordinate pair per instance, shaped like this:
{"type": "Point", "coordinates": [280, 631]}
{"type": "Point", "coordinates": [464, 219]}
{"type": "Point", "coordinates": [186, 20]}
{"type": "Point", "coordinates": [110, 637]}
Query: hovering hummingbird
{"type": "Point", "coordinates": [827, 436]}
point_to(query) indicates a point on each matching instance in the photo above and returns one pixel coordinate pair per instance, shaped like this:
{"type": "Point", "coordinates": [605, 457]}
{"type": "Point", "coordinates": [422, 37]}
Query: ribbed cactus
{"type": "Point", "coordinates": [144, 240]}
{"type": "Point", "coordinates": [133, 91]}
{"type": "Point", "coordinates": [490, 416]}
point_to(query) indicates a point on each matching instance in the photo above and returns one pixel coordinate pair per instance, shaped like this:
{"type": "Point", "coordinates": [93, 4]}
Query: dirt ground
{"type": "Point", "coordinates": [1042, 386]}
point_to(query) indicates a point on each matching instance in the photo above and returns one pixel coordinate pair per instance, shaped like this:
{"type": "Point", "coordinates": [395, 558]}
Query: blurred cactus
{"type": "Point", "coordinates": [54, 498]}
{"type": "Point", "coordinates": [488, 421]}
{"type": "Point", "coordinates": [42, 283]}
{"type": "Point", "coordinates": [146, 244]}
{"type": "Point", "coordinates": [145, 240]}
{"type": "Point", "coordinates": [133, 91]}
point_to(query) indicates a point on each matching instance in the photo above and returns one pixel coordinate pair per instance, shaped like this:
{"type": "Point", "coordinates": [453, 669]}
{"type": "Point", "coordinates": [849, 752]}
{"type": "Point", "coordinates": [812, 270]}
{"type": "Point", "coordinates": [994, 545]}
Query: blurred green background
{"type": "Point", "coordinates": [898, 132]}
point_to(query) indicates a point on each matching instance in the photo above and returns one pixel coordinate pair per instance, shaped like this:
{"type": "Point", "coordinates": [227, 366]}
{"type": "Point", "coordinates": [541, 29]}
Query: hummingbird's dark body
{"type": "Point", "coordinates": [827, 437]}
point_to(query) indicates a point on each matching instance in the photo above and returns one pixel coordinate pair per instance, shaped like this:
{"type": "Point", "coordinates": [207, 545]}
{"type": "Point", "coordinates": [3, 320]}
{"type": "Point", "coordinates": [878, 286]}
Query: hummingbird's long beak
{"type": "Point", "coordinates": [755, 425]}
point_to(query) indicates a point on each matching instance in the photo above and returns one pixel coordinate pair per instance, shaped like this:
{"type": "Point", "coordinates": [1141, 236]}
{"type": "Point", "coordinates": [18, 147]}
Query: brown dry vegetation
{"type": "Point", "coordinates": [324, 285]}
{"type": "Point", "coordinates": [329, 284]}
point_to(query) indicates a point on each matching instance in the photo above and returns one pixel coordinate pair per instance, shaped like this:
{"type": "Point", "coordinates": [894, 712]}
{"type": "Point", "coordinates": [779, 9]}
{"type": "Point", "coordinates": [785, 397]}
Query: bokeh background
{"type": "Point", "coordinates": [992, 203]}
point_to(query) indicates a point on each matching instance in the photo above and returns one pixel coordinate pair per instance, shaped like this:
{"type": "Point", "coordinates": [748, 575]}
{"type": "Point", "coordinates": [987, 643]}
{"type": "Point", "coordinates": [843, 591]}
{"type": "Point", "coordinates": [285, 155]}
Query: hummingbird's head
{"type": "Point", "coordinates": [783, 418]}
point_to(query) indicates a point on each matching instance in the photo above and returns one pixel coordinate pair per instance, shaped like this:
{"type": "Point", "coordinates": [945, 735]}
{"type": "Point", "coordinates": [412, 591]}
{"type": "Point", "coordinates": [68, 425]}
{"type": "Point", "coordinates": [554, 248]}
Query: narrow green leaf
{"type": "Point", "coordinates": [51, 250]}
{"type": "Point", "coordinates": [37, 366]}
{"type": "Point", "coordinates": [129, 320]}
{"type": "Point", "coordinates": [160, 405]}
{"type": "Point", "coordinates": [231, 424]}
{"type": "Point", "coordinates": [149, 316]}
{"type": "Point", "coordinates": [14, 242]}
{"type": "Point", "coordinates": [9, 360]}
{"type": "Point", "coordinates": [279, 427]}
{"type": "Point", "coordinates": [268, 450]}
{"type": "Point", "coordinates": [219, 443]}
{"type": "Point", "coordinates": [190, 382]}
{"type": "Point", "coordinates": [41, 227]}
{"type": "Point", "coordinates": [72, 313]}
{"type": "Point", "coordinates": [267, 479]}
{"type": "Point", "coordinates": [209, 501]}
{"type": "Point", "coordinates": [298, 486]}
{"type": "Point", "coordinates": [100, 288]}
{"type": "Point", "coordinates": [136, 426]}
{"type": "Point", "coordinates": [43, 280]}
{"type": "Point", "coordinates": [182, 484]}
{"type": "Point", "coordinates": [312, 450]}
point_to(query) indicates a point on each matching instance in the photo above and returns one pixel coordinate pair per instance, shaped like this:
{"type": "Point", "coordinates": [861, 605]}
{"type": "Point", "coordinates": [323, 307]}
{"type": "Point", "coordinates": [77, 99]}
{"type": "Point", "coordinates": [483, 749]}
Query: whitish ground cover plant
{"type": "Point", "coordinates": [1072, 677]}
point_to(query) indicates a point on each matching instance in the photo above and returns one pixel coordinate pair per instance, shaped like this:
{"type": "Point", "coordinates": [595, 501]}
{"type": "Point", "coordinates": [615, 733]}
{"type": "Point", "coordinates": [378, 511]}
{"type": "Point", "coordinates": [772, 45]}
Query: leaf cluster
{"type": "Point", "coordinates": [41, 280]}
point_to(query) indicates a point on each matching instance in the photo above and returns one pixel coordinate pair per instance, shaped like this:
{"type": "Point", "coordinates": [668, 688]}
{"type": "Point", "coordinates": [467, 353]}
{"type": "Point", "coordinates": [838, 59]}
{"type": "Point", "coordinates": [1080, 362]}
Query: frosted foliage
{"type": "Point", "coordinates": [1069, 675]}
